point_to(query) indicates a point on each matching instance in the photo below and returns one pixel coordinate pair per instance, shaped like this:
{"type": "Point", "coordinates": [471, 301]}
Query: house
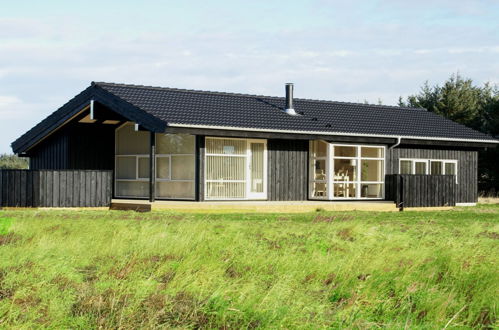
{"type": "Point", "coordinates": [224, 146]}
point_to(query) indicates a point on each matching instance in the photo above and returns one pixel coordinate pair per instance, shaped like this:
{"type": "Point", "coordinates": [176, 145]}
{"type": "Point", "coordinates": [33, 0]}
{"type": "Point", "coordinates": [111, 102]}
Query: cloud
{"type": "Point", "coordinates": [352, 57]}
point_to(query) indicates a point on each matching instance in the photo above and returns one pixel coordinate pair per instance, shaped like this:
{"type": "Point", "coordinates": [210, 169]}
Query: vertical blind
{"type": "Point", "coordinates": [226, 163]}
{"type": "Point", "coordinates": [234, 168]}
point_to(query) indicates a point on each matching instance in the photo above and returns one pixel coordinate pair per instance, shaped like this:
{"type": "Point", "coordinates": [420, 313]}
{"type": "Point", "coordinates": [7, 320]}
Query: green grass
{"type": "Point", "coordinates": [90, 269]}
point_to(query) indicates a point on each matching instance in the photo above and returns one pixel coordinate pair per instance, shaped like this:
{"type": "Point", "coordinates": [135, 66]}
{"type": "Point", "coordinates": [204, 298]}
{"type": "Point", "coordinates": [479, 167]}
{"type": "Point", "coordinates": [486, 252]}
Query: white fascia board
{"type": "Point", "coordinates": [248, 129]}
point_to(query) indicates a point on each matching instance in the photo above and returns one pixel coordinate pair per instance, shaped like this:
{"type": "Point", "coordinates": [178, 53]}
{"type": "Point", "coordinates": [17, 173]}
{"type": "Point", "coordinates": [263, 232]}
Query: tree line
{"type": "Point", "coordinates": [464, 102]}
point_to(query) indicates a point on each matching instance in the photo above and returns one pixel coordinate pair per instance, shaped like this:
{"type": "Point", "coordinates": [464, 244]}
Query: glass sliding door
{"type": "Point", "coordinates": [235, 169]}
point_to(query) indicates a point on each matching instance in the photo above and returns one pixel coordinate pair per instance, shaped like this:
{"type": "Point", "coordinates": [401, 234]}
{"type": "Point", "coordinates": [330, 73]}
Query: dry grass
{"type": "Point", "coordinates": [488, 200]}
{"type": "Point", "coordinates": [101, 269]}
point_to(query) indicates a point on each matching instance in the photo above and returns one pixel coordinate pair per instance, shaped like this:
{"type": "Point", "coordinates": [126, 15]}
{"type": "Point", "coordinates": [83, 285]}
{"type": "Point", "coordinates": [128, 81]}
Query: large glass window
{"type": "Point", "coordinates": [132, 162]}
{"type": "Point", "coordinates": [358, 171]}
{"type": "Point", "coordinates": [353, 171]}
{"type": "Point", "coordinates": [175, 164]}
{"type": "Point", "coordinates": [131, 142]}
{"type": "Point", "coordinates": [235, 168]}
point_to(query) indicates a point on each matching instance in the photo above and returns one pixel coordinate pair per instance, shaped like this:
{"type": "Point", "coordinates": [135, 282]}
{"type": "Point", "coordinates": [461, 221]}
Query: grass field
{"type": "Point", "coordinates": [111, 269]}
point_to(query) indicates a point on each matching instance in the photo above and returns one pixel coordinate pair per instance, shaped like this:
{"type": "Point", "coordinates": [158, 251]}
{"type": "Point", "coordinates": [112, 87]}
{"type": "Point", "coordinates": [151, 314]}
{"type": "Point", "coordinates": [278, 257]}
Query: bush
{"type": "Point", "coordinates": [13, 162]}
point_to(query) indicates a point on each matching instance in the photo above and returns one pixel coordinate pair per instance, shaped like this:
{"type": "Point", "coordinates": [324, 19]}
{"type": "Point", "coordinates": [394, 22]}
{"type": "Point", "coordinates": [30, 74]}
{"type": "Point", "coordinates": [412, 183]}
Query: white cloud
{"type": "Point", "coordinates": [41, 67]}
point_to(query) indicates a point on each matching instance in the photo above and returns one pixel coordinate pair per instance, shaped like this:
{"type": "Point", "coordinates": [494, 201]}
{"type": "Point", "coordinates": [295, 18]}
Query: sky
{"type": "Point", "coordinates": [351, 51]}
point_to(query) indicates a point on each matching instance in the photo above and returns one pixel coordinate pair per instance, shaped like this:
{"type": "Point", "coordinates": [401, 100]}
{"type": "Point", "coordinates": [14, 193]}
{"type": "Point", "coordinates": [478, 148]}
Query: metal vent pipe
{"type": "Point", "coordinates": [289, 100]}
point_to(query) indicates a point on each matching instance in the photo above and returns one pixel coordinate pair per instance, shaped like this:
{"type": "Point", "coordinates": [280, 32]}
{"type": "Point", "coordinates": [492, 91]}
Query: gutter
{"type": "Point", "coordinates": [399, 139]}
{"type": "Point", "coordinates": [233, 128]}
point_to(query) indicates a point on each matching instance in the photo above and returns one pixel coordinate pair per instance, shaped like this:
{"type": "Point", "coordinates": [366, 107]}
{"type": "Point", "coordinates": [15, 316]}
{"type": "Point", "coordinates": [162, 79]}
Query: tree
{"type": "Point", "coordinates": [477, 107]}
{"type": "Point", "coordinates": [458, 99]}
{"type": "Point", "coordinates": [12, 162]}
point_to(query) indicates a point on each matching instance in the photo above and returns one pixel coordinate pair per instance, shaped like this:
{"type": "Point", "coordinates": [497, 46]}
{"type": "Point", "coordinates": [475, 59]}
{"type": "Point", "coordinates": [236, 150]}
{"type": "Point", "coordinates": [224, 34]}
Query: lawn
{"type": "Point", "coordinates": [110, 269]}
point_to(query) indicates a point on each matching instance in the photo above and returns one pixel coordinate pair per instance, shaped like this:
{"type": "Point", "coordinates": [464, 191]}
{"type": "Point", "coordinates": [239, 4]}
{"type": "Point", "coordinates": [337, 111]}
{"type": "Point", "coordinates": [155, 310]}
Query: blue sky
{"type": "Point", "coordinates": [335, 50]}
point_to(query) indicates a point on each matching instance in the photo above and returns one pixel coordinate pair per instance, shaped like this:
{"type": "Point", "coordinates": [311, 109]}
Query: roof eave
{"type": "Point", "coordinates": [328, 133]}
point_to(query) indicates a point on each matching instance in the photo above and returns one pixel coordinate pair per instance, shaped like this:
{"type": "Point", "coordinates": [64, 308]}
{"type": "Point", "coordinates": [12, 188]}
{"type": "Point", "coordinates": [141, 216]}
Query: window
{"type": "Point", "coordinates": [319, 163]}
{"type": "Point", "coordinates": [436, 167]}
{"type": "Point", "coordinates": [358, 171]}
{"type": "Point", "coordinates": [428, 166]}
{"type": "Point", "coordinates": [420, 167]}
{"type": "Point", "coordinates": [405, 167]}
{"type": "Point", "coordinates": [235, 169]}
{"type": "Point", "coordinates": [352, 171]}
{"type": "Point", "coordinates": [175, 164]}
{"type": "Point", "coordinates": [450, 168]}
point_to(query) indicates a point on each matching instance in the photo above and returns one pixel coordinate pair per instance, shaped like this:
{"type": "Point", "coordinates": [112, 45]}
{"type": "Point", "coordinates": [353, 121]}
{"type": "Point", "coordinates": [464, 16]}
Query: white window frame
{"type": "Point", "coordinates": [358, 182]}
{"type": "Point", "coordinates": [247, 181]}
{"type": "Point", "coordinates": [137, 157]}
{"type": "Point", "coordinates": [138, 179]}
{"type": "Point", "coordinates": [312, 180]}
{"type": "Point", "coordinates": [428, 165]}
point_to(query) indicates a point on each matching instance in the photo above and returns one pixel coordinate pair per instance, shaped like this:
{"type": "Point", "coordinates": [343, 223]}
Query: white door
{"type": "Point", "coordinates": [257, 169]}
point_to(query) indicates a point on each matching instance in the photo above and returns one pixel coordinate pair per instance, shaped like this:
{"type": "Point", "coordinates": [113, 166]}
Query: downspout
{"type": "Point", "coordinates": [399, 181]}
{"type": "Point", "coordinates": [399, 139]}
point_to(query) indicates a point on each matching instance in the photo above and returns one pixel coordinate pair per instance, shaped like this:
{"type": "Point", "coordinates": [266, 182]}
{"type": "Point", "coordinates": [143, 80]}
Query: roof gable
{"type": "Point", "coordinates": [79, 103]}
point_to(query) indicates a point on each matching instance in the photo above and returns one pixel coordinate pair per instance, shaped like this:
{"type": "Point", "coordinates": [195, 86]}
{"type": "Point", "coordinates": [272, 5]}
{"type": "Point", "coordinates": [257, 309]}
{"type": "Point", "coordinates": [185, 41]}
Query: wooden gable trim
{"type": "Point", "coordinates": [78, 105]}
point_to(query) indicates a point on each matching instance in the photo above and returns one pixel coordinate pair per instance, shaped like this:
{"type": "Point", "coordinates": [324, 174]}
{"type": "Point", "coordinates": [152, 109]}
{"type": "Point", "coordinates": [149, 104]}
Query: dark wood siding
{"type": "Point", "coordinates": [55, 188]}
{"type": "Point", "coordinates": [467, 187]}
{"type": "Point", "coordinates": [76, 146]}
{"type": "Point", "coordinates": [409, 190]}
{"type": "Point", "coordinates": [51, 153]}
{"type": "Point", "coordinates": [287, 170]}
{"type": "Point", "coordinates": [92, 147]}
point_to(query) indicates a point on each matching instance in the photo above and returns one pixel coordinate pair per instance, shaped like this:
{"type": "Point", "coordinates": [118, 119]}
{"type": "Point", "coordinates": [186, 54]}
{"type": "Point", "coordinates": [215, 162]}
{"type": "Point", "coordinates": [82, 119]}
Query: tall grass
{"type": "Point", "coordinates": [89, 269]}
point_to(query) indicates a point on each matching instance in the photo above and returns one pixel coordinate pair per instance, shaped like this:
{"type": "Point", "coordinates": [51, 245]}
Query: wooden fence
{"type": "Point", "coordinates": [55, 188]}
{"type": "Point", "coordinates": [421, 190]}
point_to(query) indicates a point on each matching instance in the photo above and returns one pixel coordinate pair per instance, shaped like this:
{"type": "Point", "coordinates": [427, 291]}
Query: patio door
{"type": "Point", "coordinates": [256, 169]}
{"type": "Point", "coordinates": [235, 169]}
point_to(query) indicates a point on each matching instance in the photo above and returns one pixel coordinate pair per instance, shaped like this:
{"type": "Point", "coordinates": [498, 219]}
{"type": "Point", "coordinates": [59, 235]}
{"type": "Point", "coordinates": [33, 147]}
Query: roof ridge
{"type": "Point", "coordinates": [198, 91]}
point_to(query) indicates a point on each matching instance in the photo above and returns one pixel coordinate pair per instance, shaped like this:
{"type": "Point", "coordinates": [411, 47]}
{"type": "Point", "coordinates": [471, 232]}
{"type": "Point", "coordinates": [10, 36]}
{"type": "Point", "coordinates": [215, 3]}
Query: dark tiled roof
{"type": "Point", "coordinates": [155, 107]}
{"type": "Point", "coordinates": [192, 107]}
